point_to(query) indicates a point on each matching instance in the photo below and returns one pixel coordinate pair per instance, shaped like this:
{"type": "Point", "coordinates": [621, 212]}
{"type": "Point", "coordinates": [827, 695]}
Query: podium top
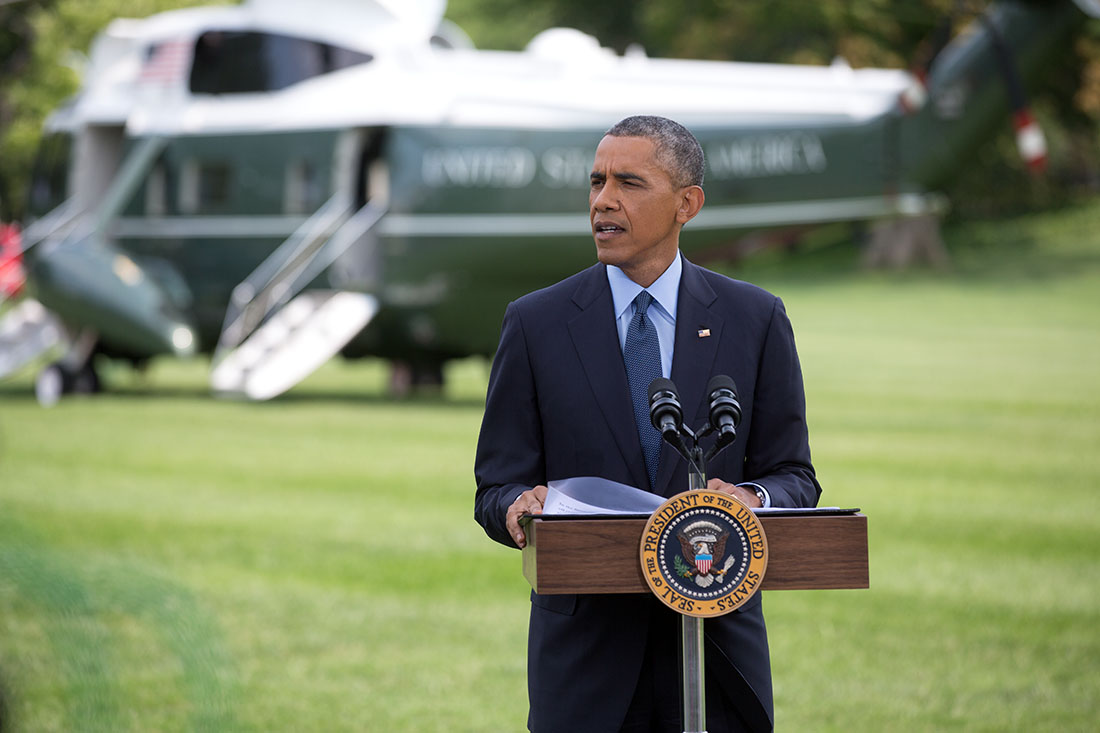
{"type": "Point", "coordinates": [808, 549]}
{"type": "Point", "coordinates": [760, 512]}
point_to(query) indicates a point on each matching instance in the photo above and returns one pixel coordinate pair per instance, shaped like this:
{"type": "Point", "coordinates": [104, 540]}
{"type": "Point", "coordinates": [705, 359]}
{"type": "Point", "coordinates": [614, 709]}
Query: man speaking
{"type": "Point", "coordinates": [568, 397]}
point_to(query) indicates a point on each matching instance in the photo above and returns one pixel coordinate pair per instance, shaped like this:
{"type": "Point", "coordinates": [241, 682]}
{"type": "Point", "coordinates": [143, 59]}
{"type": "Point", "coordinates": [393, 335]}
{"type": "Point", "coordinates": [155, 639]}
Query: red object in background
{"type": "Point", "coordinates": [1030, 140]}
{"type": "Point", "coordinates": [12, 276]}
{"type": "Point", "coordinates": [914, 95]}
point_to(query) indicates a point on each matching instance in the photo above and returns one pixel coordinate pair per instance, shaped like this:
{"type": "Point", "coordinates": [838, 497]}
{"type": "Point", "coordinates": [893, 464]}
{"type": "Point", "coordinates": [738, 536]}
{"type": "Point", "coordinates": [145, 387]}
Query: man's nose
{"type": "Point", "coordinates": [605, 200]}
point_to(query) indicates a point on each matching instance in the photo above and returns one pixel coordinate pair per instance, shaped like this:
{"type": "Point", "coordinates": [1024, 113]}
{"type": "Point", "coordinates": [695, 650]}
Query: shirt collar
{"type": "Point", "coordinates": [664, 289]}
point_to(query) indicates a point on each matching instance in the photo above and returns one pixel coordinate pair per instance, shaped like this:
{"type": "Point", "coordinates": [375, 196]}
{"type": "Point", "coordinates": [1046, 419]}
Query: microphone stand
{"type": "Point", "coordinates": [691, 630]}
{"type": "Point", "coordinates": [667, 416]}
{"type": "Point", "coordinates": [692, 673]}
{"type": "Point", "coordinates": [692, 667]}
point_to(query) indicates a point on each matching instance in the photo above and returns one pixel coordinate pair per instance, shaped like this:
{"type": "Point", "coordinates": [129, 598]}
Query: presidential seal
{"type": "Point", "coordinates": [704, 553]}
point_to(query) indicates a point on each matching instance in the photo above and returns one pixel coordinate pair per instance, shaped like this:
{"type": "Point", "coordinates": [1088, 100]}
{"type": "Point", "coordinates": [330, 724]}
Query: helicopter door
{"type": "Point", "coordinates": [359, 267]}
{"type": "Point", "coordinates": [371, 178]}
{"type": "Point", "coordinates": [96, 160]}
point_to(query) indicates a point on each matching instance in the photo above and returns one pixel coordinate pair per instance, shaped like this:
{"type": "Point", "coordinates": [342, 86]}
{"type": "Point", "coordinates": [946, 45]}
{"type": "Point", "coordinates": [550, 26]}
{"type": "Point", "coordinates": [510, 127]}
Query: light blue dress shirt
{"type": "Point", "coordinates": [665, 291]}
{"type": "Point", "coordinates": [662, 311]}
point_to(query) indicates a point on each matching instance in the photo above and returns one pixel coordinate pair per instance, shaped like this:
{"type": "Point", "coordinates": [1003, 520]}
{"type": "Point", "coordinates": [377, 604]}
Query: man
{"type": "Point", "coordinates": [560, 404]}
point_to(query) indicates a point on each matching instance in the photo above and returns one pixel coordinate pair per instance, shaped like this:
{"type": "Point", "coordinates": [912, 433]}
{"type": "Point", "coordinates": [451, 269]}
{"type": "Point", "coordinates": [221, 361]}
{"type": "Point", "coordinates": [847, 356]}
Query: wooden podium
{"type": "Point", "coordinates": [807, 549]}
{"type": "Point", "coordinates": [810, 550]}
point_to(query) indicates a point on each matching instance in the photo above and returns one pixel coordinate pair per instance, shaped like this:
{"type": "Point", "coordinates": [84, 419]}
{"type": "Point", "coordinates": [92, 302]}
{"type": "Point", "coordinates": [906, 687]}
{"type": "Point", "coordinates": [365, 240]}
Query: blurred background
{"type": "Point", "coordinates": [42, 43]}
{"type": "Point", "coordinates": [173, 561]}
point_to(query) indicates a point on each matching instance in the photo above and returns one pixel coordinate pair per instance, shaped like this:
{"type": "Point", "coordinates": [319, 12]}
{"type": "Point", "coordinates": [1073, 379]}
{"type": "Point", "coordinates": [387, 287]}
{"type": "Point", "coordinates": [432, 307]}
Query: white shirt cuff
{"type": "Point", "coordinates": [767, 498]}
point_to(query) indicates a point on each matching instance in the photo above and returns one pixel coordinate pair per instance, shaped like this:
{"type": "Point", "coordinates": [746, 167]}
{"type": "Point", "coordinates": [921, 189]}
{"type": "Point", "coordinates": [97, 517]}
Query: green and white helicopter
{"type": "Point", "coordinates": [278, 182]}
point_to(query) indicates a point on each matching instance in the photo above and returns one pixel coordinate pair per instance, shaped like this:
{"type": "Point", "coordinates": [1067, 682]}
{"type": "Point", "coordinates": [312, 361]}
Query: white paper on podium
{"type": "Point", "coordinates": [592, 495]}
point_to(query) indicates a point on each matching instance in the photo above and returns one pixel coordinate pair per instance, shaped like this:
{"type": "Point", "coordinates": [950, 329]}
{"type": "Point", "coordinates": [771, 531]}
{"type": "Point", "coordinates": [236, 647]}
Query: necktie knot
{"type": "Point", "coordinates": [642, 301]}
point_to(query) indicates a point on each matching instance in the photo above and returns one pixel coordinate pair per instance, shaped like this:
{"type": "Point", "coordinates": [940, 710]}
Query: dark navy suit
{"type": "Point", "coordinates": [558, 406]}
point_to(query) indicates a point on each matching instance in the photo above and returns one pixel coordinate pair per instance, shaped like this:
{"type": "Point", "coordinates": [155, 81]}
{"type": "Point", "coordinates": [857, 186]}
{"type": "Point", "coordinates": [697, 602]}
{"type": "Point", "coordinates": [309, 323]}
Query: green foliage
{"type": "Point", "coordinates": [169, 561]}
{"type": "Point", "coordinates": [866, 33]}
{"type": "Point", "coordinates": [504, 25]}
{"type": "Point", "coordinates": [59, 34]}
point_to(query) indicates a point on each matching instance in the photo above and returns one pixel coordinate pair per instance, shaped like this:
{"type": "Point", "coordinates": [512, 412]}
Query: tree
{"type": "Point", "coordinates": [42, 45]}
{"type": "Point", "coordinates": [16, 50]}
{"type": "Point", "coordinates": [879, 33]}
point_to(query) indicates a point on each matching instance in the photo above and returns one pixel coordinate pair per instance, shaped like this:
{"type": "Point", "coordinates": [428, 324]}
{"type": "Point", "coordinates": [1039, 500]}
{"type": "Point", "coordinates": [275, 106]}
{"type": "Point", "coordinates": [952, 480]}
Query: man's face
{"type": "Point", "coordinates": [634, 208]}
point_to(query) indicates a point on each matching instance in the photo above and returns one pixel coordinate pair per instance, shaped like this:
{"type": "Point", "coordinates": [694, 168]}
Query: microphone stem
{"type": "Point", "coordinates": [697, 476]}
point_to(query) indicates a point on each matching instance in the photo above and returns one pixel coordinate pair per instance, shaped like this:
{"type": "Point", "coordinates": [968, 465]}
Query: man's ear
{"type": "Point", "coordinates": [691, 200]}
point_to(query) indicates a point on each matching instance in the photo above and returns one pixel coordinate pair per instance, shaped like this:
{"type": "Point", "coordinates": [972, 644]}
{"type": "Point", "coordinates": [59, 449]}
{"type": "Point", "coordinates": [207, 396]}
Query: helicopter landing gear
{"type": "Point", "coordinates": [57, 380]}
{"type": "Point", "coordinates": [74, 373]}
{"type": "Point", "coordinates": [419, 376]}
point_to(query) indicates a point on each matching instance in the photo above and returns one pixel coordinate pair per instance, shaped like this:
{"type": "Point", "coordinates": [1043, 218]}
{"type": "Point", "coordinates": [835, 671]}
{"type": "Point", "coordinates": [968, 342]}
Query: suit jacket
{"type": "Point", "coordinates": [558, 405]}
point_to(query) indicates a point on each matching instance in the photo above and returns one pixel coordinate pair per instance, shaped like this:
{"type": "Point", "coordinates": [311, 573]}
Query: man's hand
{"type": "Point", "coordinates": [748, 496]}
{"type": "Point", "coordinates": [529, 502]}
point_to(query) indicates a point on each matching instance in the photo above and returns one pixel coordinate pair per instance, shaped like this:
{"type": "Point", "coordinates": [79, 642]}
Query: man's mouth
{"type": "Point", "coordinates": [604, 229]}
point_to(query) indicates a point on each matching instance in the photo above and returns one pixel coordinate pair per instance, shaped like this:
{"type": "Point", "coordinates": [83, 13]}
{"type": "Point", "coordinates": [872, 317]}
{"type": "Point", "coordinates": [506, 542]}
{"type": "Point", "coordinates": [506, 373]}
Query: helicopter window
{"type": "Point", "coordinates": [204, 187]}
{"type": "Point", "coordinates": [49, 179]}
{"type": "Point", "coordinates": [235, 62]}
{"type": "Point", "coordinates": [302, 189]}
{"type": "Point", "coordinates": [156, 191]}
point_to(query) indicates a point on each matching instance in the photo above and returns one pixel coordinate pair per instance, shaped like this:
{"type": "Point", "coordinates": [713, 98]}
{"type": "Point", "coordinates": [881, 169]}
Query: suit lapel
{"type": "Point", "coordinates": [698, 332]}
{"type": "Point", "coordinates": [597, 342]}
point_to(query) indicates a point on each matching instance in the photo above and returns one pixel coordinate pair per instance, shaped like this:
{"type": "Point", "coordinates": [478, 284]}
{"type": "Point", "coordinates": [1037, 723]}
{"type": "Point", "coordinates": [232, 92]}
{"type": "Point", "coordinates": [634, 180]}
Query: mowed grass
{"type": "Point", "coordinates": [169, 561]}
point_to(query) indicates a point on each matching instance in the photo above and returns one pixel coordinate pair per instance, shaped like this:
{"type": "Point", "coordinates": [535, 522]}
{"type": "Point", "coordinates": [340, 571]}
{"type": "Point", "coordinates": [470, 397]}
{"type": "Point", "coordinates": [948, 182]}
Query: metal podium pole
{"type": "Point", "coordinates": [667, 416]}
{"type": "Point", "coordinates": [691, 647]}
{"type": "Point", "coordinates": [695, 703]}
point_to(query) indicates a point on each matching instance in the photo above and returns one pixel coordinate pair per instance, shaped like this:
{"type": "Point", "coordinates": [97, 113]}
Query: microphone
{"type": "Point", "coordinates": [664, 409]}
{"type": "Point", "coordinates": [725, 409]}
{"type": "Point", "coordinates": [667, 415]}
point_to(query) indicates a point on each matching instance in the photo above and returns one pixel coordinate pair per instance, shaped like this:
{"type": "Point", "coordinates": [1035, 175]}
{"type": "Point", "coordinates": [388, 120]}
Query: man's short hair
{"type": "Point", "coordinates": [677, 148]}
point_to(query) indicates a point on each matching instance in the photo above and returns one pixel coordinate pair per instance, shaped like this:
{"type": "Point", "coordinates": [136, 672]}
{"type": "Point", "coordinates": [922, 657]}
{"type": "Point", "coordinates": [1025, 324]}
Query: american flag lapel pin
{"type": "Point", "coordinates": [704, 332]}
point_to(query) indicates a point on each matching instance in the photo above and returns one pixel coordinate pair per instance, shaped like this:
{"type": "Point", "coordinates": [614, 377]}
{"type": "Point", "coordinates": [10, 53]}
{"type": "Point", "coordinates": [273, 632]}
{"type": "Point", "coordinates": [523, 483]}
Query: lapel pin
{"type": "Point", "coordinates": [704, 332]}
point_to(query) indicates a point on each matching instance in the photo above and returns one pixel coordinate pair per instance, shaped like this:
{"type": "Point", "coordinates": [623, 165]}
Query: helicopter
{"type": "Point", "coordinates": [275, 183]}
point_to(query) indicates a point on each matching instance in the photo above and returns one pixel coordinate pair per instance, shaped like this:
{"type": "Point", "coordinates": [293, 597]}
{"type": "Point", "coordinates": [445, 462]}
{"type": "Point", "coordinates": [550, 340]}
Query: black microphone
{"type": "Point", "coordinates": [666, 414]}
{"type": "Point", "coordinates": [664, 408]}
{"type": "Point", "coordinates": [725, 410]}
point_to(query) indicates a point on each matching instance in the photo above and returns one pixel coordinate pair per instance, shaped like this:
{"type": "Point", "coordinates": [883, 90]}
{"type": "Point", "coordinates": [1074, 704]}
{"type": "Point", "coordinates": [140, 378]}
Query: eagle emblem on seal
{"type": "Point", "coordinates": [704, 546]}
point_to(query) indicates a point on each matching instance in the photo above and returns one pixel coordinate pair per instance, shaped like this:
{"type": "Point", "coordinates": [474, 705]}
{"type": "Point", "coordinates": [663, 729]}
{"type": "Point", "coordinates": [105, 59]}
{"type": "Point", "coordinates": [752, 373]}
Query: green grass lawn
{"type": "Point", "coordinates": [169, 561]}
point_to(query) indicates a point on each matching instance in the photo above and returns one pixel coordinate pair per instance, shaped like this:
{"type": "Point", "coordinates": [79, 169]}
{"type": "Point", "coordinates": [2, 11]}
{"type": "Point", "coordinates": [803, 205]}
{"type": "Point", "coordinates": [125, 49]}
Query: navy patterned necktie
{"type": "Point", "coordinates": [642, 354]}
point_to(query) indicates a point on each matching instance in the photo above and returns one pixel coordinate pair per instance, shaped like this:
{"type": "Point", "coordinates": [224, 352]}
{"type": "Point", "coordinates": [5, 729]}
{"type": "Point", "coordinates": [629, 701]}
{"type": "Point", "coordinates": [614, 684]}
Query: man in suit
{"type": "Point", "coordinates": [560, 404]}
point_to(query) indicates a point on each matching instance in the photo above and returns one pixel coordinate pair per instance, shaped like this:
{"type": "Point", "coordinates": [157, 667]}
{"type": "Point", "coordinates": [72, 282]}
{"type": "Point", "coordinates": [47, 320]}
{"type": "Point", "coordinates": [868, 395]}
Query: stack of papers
{"type": "Point", "coordinates": [591, 495]}
{"type": "Point", "coordinates": [587, 495]}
